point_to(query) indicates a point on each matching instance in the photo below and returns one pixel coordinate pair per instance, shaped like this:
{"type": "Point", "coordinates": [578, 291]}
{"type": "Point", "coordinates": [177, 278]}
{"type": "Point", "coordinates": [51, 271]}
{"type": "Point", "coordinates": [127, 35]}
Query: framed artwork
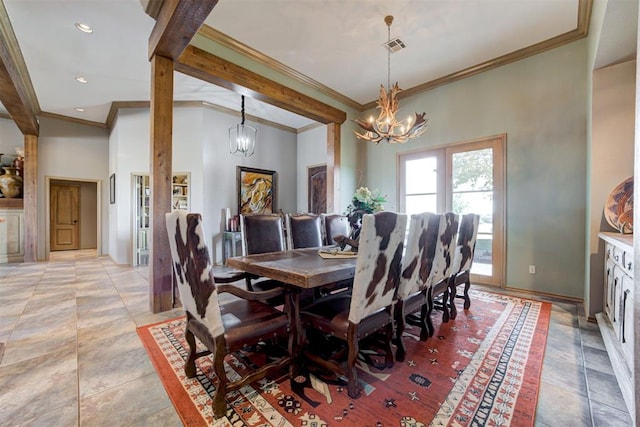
{"type": "Point", "coordinates": [256, 190]}
{"type": "Point", "coordinates": [112, 188]}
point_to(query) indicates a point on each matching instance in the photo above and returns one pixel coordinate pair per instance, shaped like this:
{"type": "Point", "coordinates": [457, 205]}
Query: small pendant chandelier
{"type": "Point", "coordinates": [386, 127]}
{"type": "Point", "coordinates": [242, 138]}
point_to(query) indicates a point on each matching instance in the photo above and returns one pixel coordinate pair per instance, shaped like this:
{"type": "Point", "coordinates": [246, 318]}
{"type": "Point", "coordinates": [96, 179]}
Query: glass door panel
{"type": "Point", "coordinates": [472, 192]}
{"type": "Point", "coordinates": [421, 181]}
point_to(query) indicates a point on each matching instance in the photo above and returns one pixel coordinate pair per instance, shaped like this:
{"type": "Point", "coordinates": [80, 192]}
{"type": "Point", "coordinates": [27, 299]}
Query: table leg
{"type": "Point", "coordinates": [296, 335]}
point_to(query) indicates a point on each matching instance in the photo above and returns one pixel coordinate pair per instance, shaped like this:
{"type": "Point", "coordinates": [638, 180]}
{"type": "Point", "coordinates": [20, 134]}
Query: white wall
{"type": "Point", "coordinates": [275, 150]}
{"type": "Point", "coordinates": [200, 148]}
{"type": "Point", "coordinates": [312, 151]}
{"type": "Point", "coordinates": [612, 145]}
{"type": "Point", "coordinates": [10, 138]}
{"type": "Point", "coordinates": [71, 151]}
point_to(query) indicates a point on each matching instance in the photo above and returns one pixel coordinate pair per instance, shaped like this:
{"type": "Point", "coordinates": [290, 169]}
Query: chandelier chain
{"type": "Point", "coordinates": [387, 127]}
{"type": "Point", "coordinates": [242, 110]}
{"type": "Point", "coordinates": [388, 57]}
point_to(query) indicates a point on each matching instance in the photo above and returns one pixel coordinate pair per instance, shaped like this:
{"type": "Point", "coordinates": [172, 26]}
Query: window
{"type": "Point", "coordinates": [464, 178]}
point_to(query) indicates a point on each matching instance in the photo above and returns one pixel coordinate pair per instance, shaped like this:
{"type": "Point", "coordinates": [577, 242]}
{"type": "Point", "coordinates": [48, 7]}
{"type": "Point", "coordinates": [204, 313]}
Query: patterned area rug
{"type": "Point", "coordinates": [483, 368]}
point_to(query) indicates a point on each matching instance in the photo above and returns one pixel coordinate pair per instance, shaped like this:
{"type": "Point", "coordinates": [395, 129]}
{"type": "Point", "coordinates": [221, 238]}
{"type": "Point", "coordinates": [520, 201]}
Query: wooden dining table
{"type": "Point", "coordinates": [297, 269]}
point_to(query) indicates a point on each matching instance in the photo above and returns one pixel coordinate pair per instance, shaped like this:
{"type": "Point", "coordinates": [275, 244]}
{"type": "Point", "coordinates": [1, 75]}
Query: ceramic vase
{"type": "Point", "coordinates": [10, 183]}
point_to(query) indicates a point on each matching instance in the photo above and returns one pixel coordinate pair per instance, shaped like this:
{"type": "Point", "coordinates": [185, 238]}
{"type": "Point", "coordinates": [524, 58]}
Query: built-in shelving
{"type": "Point", "coordinates": [142, 203]}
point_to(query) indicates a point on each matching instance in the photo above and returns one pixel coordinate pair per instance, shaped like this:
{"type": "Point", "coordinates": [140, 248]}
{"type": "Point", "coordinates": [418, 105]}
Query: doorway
{"type": "Point", "coordinates": [317, 189]}
{"type": "Point", "coordinates": [65, 216]}
{"type": "Point", "coordinates": [466, 177]}
{"type": "Point", "coordinates": [72, 215]}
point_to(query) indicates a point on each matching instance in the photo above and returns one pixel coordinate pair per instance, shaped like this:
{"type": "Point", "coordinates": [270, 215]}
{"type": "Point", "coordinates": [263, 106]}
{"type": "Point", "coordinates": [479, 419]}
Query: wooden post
{"type": "Point", "coordinates": [30, 196]}
{"type": "Point", "coordinates": [333, 166]}
{"type": "Point", "coordinates": [161, 117]}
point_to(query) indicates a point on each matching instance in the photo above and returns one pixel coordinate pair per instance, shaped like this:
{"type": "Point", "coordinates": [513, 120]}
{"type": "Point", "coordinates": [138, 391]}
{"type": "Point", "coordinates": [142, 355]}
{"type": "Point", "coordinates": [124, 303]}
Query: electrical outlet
{"type": "Point", "coordinates": [532, 269]}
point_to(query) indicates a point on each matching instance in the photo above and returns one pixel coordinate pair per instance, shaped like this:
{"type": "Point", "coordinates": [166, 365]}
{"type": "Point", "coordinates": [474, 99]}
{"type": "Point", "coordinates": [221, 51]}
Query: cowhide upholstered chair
{"type": "Point", "coordinates": [463, 259]}
{"type": "Point", "coordinates": [369, 308]}
{"type": "Point", "coordinates": [440, 283]}
{"type": "Point", "coordinates": [262, 233]}
{"type": "Point", "coordinates": [418, 270]}
{"type": "Point", "coordinates": [335, 225]}
{"type": "Point", "coordinates": [222, 329]}
{"type": "Point", "coordinates": [304, 230]}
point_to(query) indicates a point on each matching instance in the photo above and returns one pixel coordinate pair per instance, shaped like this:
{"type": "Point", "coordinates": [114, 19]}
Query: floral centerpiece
{"type": "Point", "coordinates": [364, 201]}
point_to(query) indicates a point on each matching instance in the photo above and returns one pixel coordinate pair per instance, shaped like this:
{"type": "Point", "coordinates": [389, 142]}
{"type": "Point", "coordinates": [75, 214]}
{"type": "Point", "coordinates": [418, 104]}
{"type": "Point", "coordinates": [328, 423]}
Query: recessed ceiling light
{"type": "Point", "coordinates": [79, 109]}
{"type": "Point", "coordinates": [84, 28]}
{"type": "Point", "coordinates": [81, 79]}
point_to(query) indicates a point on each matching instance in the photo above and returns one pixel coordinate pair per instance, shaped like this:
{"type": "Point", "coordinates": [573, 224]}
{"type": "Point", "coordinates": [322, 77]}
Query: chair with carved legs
{"type": "Point", "coordinates": [262, 233]}
{"type": "Point", "coordinates": [369, 308]}
{"type": "Point", "coordinates": [417, 267]}
{"type": "Point", "coordinates": [222, 329]}
{"type": "Point", "coordinates": [463, 259]}
{"type": "Point", "coordinates": [440, 283]}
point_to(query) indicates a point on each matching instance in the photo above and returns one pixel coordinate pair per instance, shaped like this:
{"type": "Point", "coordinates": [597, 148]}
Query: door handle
{"type": "Point", "coordinates": [75, 221]}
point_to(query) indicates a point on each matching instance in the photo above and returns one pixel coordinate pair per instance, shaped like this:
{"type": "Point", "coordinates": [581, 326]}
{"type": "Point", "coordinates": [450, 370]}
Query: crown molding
{"type": "Point", "coordinates": [582, 30]}
{"type": "Point", "coordinates": [72, 119]}
{"type": "Point", "coordinates": [117, 105]}
{"type": "Point", "coordinates": [309, 127]}
{"type": "Point", "coordinates": [233, 44]}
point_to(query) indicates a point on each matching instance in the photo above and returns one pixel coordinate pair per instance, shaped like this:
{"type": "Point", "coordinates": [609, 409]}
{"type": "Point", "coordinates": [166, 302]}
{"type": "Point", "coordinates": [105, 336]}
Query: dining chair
{"type": "Point", "coordinates": [463, 260]}
{"type": "Point", "coordinates": [304, 230]}
{"type": "Point", "coordinates": [262, 233]}
{"type": "Point", "coordinates": [351, 318]}
{"type": "Point", "coordinates": [440, 281]}
{"type": "Point", "coordinates": [419, 265]}
{"type": "Point", "coordinates": [222, 329]}
{"type": "Point", "coordinates": [335, 225]}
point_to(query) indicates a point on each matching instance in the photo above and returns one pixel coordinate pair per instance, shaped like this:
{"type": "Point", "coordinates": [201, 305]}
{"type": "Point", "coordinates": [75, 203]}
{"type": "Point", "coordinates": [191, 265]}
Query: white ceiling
{"type": "Point", "coordinates": [335, 42]}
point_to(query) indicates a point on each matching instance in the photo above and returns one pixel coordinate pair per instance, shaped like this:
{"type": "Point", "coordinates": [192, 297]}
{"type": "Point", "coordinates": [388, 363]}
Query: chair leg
{"type": "Point", "coordinates": [352, 374]}
{"type": "Point", "coordinates": [190, 364]}
{"type": "Point", "coordinates": [401, 351]}
{"type": "Point", "coordinates": [248, 283]}
{"type": "Point", "coordinates": [445, 304]}
{"type": "Point", "coordinates": [427, 328]}
{"type": "Point", "coordinates": [219, 403]}
{"type": "Point", "coordinates": [452, 297]}
{"type": "Point", "coordinates": [388, 359]}
{"type": "Point", "coordinates": [467, 285]}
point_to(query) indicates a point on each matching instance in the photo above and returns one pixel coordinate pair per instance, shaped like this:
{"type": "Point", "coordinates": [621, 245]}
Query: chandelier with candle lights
{"type": "Point", "coordinates": [386, 127]}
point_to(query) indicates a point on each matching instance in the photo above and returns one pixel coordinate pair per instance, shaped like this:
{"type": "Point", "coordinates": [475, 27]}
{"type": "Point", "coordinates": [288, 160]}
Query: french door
{"type": "Point", "coordinates": [463, 178]}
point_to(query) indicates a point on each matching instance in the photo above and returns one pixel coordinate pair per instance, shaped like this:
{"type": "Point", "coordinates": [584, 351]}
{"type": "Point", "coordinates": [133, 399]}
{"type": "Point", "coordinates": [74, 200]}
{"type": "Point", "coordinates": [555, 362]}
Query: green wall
{"type": "Point", "coordinates": [541, 104]}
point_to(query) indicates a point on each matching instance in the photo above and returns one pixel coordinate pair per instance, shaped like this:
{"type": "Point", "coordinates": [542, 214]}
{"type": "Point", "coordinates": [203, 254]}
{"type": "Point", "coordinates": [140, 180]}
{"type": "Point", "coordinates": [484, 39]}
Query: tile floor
{"type": "Point", "coordinates": [72, 355]}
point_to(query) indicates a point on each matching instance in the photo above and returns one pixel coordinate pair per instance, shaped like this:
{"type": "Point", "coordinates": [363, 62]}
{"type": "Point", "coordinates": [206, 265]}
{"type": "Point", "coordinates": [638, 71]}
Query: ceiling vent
{"type": "Point", "coordinates": [395, 45]}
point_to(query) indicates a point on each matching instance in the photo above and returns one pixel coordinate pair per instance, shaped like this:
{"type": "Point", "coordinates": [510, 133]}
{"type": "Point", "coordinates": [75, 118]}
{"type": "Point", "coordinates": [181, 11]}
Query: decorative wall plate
{"type": "Point", "coordinates": [618, 210]}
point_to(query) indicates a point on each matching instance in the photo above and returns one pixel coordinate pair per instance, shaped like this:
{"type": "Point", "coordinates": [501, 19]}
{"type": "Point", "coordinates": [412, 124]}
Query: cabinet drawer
{"type": "Point", "coordinates": [626, 319]}
{"type": "Point", "coordinates": [616, 254]}
{"type": "Point", "coordinates": [627, 263]}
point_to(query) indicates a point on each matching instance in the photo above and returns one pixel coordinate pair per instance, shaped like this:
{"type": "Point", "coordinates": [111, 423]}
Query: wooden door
{"type": "Point", "coordinates": [65, 219]}
{"type": "Point", "coordinates": [317, 191]}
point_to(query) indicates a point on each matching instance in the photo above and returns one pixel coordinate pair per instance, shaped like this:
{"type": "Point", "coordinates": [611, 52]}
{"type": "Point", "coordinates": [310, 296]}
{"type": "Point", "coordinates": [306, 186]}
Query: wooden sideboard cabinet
{"type": "Point", "coordinates": [616, 320]}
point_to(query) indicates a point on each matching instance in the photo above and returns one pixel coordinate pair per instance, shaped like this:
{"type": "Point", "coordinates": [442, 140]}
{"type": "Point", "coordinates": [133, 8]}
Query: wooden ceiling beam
{"type": "Point", "coordinates": [16, 91]}
{"type": "Point", "coordinates": [178, 21]}
{"type": "Point", "coordinates": [203, 65]}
